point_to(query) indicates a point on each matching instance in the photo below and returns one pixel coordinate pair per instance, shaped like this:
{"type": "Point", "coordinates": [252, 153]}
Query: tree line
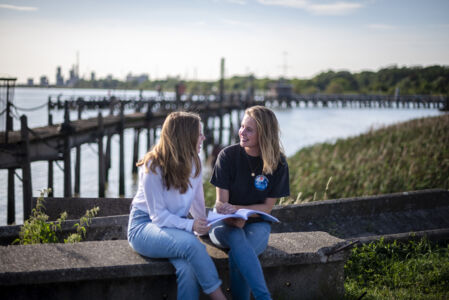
{"type": "Point", "coordinates": [431, 80]}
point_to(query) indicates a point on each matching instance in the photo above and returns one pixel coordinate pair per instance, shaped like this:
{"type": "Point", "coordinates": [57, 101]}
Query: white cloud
{"type": "Point", "coordinates": [233, 22]}
{"type": "Point", "coordinates": [335, 8]}
{"type": "Point", "coordinates": [286, 3]}
{"type": "Point", "coordinates": [380, 26]}
{"type": "Point", "coordinates": [199, 23]}
{"type": "Point", "coordinates": [19, 8]}
{"type": "Point", "coordinates": [241, 2]}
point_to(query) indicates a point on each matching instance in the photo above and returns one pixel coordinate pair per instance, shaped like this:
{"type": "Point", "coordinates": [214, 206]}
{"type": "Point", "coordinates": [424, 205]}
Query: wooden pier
{"type": "Point", "coordinates": [54, 142]}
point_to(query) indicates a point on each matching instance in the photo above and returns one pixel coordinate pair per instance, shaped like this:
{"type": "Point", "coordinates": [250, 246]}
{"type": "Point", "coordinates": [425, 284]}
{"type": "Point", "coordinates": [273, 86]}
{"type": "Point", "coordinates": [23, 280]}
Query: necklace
{"type": "Point", "coordinates": [253, 171]}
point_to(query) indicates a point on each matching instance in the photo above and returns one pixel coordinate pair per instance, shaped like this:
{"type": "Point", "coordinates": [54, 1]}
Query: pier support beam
{"type": "Point", "coordinates": [50, 164]}
{"type": "Point", "coordinates": [26, 168]}
{"type": "Point", "coordinates": [135, 150]}
{"type": "Point", "coordinates": [11, 215]}
{"type": "Point", "coordinates": [78, 161]}
{"type": "Point", "coordinates": [66, 152]}
{"type": "Point", "coordinates": [122, 153]}
{"type": "Point", "coordinates": [107, 158]}
{"type": "Point", "coordinates": [101, 164]}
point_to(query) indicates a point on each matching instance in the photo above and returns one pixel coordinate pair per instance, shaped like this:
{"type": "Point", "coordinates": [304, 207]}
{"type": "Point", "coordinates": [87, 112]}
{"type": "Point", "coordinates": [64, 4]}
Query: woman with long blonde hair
{"type": "Point", "coordinates": [170, 186]}
{"type": "Point", "coordinates": [252, 174]}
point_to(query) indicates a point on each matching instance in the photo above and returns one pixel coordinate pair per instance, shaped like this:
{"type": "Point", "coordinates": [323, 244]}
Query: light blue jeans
{"type": "Point", "coordinates": [245, 245]}
{"type": "Point", "coordinates": [194, 267]}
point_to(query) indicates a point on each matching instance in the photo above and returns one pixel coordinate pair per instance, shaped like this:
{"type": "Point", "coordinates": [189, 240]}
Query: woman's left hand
{"type": "Point", "coordinates": [200, 226]}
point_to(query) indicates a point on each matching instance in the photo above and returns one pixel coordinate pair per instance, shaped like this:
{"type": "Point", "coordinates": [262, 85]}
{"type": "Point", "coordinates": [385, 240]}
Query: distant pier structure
{"type": "Point", "coordinates": [54, 143]}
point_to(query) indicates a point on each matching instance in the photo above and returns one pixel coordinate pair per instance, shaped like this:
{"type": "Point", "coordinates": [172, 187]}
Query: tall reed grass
{"type": "Point", "coordinates": [413, 155]}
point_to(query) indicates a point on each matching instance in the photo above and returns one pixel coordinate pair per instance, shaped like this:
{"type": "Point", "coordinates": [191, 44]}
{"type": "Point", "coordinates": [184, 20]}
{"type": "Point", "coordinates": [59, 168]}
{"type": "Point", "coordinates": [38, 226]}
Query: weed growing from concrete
{"type": "Point", "coordinates": [37, 229]}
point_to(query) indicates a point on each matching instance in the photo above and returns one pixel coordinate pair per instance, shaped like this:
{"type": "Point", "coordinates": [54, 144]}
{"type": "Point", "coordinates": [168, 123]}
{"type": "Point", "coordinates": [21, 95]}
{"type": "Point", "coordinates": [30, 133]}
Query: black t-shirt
{"type": "Point", "coordinates": [233, 170]}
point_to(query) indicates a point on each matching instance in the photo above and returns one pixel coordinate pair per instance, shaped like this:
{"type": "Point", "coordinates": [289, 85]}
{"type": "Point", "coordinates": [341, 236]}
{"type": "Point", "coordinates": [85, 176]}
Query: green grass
{"type": "Point", "coordinates": [410, 270]}
{"type": "Point", "coordinates": [408, 156]}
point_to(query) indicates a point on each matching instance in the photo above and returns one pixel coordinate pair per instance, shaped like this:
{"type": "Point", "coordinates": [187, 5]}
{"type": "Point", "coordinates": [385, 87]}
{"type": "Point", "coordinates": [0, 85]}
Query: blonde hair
{"type": "Point", "coordinates": [176, 152]}
{"type": "Point", "coordinates": [268, 136]}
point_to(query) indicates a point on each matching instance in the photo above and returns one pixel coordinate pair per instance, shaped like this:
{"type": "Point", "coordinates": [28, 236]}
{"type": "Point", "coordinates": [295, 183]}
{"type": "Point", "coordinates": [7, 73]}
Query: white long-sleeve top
{"type": "Point", "coordinates": [169, 208]}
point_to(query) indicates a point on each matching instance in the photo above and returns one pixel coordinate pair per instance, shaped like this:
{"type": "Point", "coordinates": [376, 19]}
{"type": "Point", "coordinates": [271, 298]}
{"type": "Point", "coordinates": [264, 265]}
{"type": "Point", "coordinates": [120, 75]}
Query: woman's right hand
{"type": "Point", "coordinates": [200, 226]}
{"type": "Point", "coordinates": [224, 208]}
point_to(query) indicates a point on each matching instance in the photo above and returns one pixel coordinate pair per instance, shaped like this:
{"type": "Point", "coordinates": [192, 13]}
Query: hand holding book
{"type": "Point", "coordinates": [242, 213]}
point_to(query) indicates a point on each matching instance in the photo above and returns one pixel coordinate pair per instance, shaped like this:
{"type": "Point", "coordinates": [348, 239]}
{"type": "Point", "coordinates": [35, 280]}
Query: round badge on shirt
{"type": "Point", "coordinates": [261, 182]}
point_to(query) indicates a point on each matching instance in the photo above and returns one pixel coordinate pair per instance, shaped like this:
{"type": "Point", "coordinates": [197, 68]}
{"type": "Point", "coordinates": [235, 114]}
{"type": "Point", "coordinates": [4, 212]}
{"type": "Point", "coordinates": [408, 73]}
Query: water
{"type": "Point", "coordinates": [300, 127]}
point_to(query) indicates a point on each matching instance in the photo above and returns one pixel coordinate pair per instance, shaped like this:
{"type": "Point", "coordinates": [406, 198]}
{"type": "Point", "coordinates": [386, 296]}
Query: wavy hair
{"type": "Point", "coordinates": [268, 136]}
{"type": "Point", "coordinates": [176, 152]}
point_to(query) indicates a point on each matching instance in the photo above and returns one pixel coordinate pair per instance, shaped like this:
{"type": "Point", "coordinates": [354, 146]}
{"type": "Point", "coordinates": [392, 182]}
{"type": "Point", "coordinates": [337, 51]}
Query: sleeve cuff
{"type": "Point", "coordinates": [189, 226]}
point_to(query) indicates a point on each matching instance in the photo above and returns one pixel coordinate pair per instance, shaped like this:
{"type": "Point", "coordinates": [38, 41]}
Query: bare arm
{"type": "Point", "coordinates": [266, 207]}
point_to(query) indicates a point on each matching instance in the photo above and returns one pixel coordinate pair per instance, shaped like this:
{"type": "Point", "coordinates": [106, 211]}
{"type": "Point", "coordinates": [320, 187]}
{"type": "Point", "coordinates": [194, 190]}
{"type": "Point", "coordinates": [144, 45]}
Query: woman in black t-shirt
{"type": "Point", "coordinates": [252, 174]}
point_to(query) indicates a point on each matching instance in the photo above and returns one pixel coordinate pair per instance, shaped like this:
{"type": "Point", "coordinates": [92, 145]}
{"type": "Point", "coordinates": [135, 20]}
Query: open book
{"type": "Point", "coordinates": [242, 213]}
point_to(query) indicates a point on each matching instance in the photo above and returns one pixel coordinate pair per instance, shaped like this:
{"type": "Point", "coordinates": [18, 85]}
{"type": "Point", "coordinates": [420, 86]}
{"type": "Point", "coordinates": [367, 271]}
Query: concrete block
{"type": "Point", "coordinates": [296, 265]}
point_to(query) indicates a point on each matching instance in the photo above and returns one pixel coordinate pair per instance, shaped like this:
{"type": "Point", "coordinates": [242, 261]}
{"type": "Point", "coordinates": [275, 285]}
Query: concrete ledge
{"type": "Point", "coordinates": [76, 207]}
{"type": "Point", "coordinates": [374, 216]}
{"type": "Point", "coordinates": [305, 265]}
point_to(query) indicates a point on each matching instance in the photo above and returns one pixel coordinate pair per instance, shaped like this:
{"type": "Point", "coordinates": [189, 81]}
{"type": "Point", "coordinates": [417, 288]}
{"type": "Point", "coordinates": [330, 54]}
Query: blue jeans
{"type": "Point", "coordinates": [245, 245]}
{"type": "Point", "coordinates": [194, 267]}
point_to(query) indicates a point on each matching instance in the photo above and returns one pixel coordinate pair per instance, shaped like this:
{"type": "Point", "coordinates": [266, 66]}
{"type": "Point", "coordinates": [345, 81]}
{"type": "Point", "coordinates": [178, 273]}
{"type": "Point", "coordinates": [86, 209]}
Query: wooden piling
{"type": "Point", "coordinates": [154, 135]}
{"type": "Point", "coordinates": [66, 153]}
{"type": "Point", "coordinates": [148, 116]}
{"type": "Point", "coordinates": [11, 214]}
{"type": "Point", "coordinates": [101, 161]}
{"type": "Point", "coordinates": [107, 157]}
{"type": "Point", "coordinates": [26, 168]}
{"type": "Point", "coordinates": [78, 161]}
{"type": "Point", "coordinates": [50, 165]}
{"type": "Point", "coordinates": [135, 150]}
{"type": "Point", "coordinates": [148, 138]}
{"type": "Point", "coordinates": [122, 153]}
{"type": "Point", "coordinates": [11, 210]}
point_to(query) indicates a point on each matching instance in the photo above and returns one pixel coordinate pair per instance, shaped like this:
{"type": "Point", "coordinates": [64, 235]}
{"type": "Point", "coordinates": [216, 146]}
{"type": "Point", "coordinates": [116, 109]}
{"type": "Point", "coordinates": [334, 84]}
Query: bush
{"type": "Point", "coordinates": [36, 230]}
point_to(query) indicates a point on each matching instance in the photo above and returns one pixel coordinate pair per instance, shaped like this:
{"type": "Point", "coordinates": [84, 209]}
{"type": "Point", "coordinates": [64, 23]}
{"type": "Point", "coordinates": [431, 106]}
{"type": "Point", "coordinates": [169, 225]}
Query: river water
{"type": "Point", "coordinates": [300, 127]}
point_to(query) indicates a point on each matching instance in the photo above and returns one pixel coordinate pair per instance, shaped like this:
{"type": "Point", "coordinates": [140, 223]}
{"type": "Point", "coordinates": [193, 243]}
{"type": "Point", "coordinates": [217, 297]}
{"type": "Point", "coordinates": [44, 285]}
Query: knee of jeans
{"type": "Point", "coordinates": [227, 235]}
{"type": "Point", "coordinates": [193, 245]}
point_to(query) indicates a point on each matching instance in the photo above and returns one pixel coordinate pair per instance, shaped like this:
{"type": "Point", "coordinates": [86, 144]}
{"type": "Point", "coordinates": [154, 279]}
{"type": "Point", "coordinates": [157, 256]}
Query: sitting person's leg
{"type": "Point", "coordinates": [258, 235]}
{"type": "Point", "coordinates": [151, 241]}
{"type": "Point", "coordinates": [242, 257]}
{"type": "Point", "coordinates": [188, 287]}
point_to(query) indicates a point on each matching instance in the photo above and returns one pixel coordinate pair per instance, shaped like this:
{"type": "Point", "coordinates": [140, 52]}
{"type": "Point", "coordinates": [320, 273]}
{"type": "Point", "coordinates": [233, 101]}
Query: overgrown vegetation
{"type": "Point", "coordinates": [408, 156]}
{"type": "Point", "coordinates": [393, 270]}
{"type": "Point", "coordinates": [37, 229]}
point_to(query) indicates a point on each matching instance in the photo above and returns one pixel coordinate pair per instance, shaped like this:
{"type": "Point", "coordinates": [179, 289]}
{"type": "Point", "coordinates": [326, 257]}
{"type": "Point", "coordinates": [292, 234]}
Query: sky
{"type": "Point", "coordinates": [187, 38]}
